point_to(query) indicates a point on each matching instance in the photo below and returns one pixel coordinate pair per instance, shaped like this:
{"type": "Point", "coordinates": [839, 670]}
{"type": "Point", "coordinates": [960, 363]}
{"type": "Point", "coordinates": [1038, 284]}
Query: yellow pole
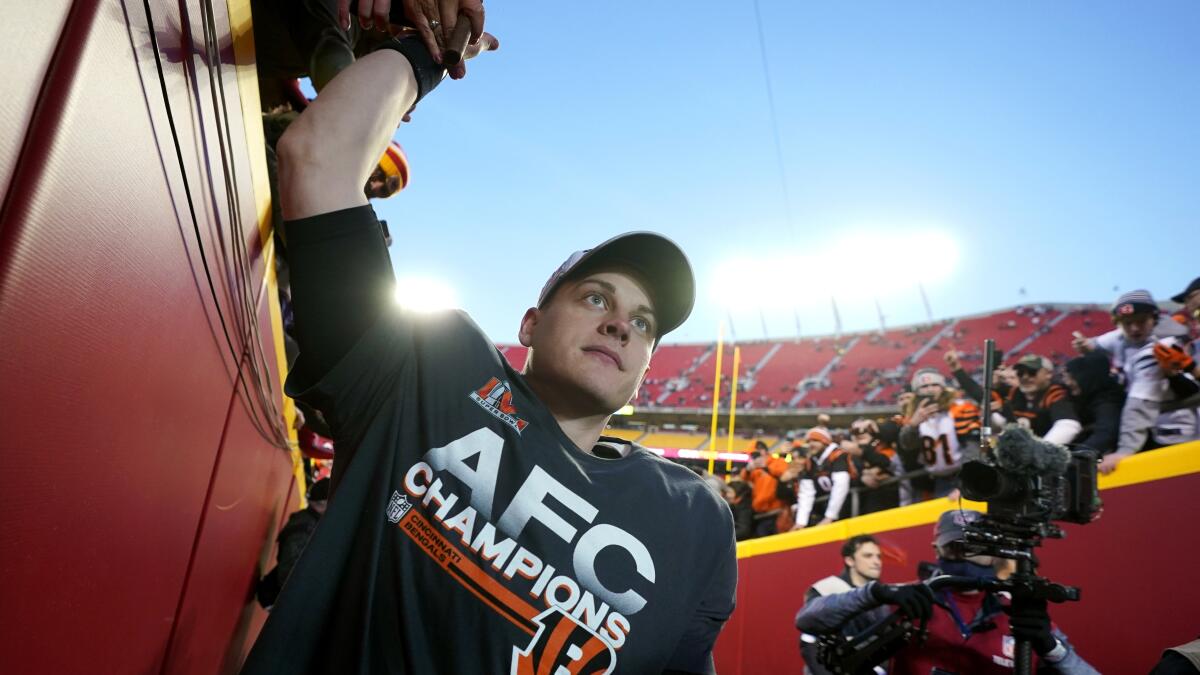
{"type": "Point", "coordinates": [712, 438]}
{"type": "Point", "coordinates": [737, 362]}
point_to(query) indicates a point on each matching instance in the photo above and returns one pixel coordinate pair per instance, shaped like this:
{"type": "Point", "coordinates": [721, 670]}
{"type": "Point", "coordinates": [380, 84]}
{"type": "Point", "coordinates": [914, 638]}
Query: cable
{"type": "Point", "coordinates": [762, 48]}
{"type": "Point", "coordinates": [234, 352]}
{"type": "Point", "coordinates": [251, 337]}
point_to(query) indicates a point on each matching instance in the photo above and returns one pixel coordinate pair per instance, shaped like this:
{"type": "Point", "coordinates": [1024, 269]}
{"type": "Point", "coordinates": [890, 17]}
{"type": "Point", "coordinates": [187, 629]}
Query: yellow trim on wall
{"type": "Point", "coordinates": [1163, 463]}
{"type": "Point", "coordinates": [241, 30]}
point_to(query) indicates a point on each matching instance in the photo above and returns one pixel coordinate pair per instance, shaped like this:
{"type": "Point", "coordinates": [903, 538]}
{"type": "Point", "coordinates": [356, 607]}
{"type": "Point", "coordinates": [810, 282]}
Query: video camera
{"type": "Point", "coordinates": [1028, 484]}
{"type": "Point", "coordinates": [1027, 479]}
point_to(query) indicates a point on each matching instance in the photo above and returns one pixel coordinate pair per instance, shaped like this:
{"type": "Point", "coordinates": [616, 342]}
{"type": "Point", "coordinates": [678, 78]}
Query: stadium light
{"type": "Point", "coordinates": [851, 267]}
{"type": "Point", "coordinates": [425, 294]}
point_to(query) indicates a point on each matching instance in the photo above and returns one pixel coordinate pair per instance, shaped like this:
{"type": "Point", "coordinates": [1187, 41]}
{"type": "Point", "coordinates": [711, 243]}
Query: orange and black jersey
{"type": "Point", "coordinates": [1041, 410]}
{"type": "Point", "coordinates": [820, 469]}
{"type": "Point", "coordinates": [966, 418]}
{"type": "Point", "coordinates": [876, 456]}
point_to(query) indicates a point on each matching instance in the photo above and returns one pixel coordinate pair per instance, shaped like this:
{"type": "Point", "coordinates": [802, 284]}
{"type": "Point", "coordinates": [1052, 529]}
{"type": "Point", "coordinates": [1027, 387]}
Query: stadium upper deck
{"type": "Point", "coordinates": [853, 369]}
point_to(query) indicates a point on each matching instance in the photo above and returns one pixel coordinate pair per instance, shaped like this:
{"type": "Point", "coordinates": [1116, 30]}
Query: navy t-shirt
{"type": "Point", "coordinates": [467, 534]}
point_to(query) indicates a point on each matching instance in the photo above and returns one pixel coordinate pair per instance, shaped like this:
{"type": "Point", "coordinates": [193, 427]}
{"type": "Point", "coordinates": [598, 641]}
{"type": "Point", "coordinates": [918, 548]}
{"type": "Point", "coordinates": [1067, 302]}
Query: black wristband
{"type": "Point", "coordinates": [428, 72]}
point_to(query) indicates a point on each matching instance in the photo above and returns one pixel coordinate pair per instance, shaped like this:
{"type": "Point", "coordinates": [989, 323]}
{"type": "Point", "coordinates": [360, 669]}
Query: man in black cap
{"type": "Point", "coordinates": [1185, 359]}
{"type": "Point", "coordinates": [1037, 402]}
{"type": "Point", "coordinates": [1190, 299]}
{"type": "Point", "coordinates": [480, 522]}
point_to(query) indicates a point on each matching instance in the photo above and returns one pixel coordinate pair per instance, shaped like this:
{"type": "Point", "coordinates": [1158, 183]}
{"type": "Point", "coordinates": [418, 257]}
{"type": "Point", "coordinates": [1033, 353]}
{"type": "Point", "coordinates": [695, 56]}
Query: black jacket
{"type": "Point", "coordinates": [1098, 403]}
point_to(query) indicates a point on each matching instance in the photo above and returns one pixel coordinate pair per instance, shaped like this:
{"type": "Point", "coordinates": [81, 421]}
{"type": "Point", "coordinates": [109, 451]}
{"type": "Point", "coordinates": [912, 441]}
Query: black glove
{"type": "Point", "coordinates": [1029, 620]}
{"type": "Point", "coordinates": [915, 600]}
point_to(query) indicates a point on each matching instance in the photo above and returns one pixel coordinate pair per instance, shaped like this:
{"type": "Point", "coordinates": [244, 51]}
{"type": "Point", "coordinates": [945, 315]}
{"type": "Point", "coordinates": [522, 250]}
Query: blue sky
{"type": "Point", "coordinates": [980, 148]}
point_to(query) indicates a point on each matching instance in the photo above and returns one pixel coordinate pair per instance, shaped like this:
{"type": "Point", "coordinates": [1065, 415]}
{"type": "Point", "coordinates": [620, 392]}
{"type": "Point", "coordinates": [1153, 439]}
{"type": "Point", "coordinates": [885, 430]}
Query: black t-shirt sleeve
{"type": "Point", "coordinates": [693, 653]}
{"type": "Point", "coordinates": [341, 283]}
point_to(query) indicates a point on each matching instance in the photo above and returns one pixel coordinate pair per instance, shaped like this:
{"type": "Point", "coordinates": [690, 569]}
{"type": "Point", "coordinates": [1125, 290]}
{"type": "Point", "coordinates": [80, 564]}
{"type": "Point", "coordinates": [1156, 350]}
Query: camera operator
{"type": "Point", "coordinates": [969, 631]}
{"type": "Point", "coordinates": [862, 561]}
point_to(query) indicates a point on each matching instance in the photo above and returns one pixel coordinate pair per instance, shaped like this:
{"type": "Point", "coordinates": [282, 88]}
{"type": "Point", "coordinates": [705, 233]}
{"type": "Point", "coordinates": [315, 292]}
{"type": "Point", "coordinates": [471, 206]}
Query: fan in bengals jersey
{"type": "Point", "coordinates": [941, 427]}
{"type": "Point", "coordinates": [1037, 402]}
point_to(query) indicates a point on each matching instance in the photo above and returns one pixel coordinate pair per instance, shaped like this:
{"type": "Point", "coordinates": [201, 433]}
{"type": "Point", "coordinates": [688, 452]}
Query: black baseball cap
{"type": "Point", "coordinates": [658, 260]}
{"type": "Point", "coordinates": [1194, 286]}
{"type": "Point", "coordinates": [951, 525]}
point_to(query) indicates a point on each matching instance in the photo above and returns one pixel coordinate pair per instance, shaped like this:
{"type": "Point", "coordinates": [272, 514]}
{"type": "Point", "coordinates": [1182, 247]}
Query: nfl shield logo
{"type": "Point", "coordinates": [1009, 646]}
{"type": "Point", "coordinates": [397, 507]}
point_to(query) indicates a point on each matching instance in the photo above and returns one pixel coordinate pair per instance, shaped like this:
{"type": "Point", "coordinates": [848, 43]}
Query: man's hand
{"type": "Point", "coordinates": [1081, 343]}
{"type": "Point", "coordinates": [952, 360]}
{"type": "Point", "coordinates": [434, 21]}
{"type": "Point", "coordinates": [873, 476]}
{"type": "Point", "coordinates": [915, 600]}
{"type": "Point", "coordinates": [1029, 620]}
{"type": "Point", "coordinates": [1110, 462]}
{"type": "Point", "coordinates": [1173, 359]}
{"type": "Point", "coordinates": [1006, 375]}
{"type": "Point", "coordinates": [923, 412]}
{"type": "Point", "coordinates": [825, 521]}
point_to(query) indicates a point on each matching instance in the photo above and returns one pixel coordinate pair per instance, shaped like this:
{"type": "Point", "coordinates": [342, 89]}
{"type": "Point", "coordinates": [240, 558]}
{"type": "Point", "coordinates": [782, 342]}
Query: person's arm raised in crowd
{"type": "Point", "coordinates": [1082, 343]}
{"type": "Point", "coordinates": [341, 275]}
{"type": "Point", "coordinates": [327, 154]}
{"type": "Point", "coordinates": [969, 386]}
{"type": "Point", "coordinates": [422, 15]}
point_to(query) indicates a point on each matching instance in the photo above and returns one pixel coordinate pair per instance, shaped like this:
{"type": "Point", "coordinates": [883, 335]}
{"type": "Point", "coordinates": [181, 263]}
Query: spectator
{"type": "Point", "coordinates": [1037, 402]}
{"type": "Point", "coordinates": [889, 437]}
{"type": "Point", "coordinates": [826, 470]}
{"type": "Point", "coordinates": [291, 541]}
{"type": "Point", "coordinates": [1189, 314]}
{"type": "Point", "coordinates": [1098, 398]}
{"type": "Point", "coordinates": [763, 474]}
{"type": "Point", "coordinates": [1182, 359]}
{"type": "Point", "coordinates": [862, 563]}
{"type": "Point", "coordinates": [713, 481]}
{"type": "Point", "coordinates": [1131, 348]}
{"type": "Point", "coordinates": [876, 463]}
{"type": "Point", "coordinates": [737, 494]}
{"type": "Point", "coordinates": [942, 428]}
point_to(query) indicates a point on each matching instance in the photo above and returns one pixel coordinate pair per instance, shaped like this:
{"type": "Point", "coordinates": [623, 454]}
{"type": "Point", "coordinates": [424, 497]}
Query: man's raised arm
{"type": "Point", "coordinates": [341, 274]}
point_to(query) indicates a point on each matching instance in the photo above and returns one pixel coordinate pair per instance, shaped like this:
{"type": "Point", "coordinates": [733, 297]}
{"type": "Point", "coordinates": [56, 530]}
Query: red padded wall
{"type": "Point", "coordinates": [139, 502]}
{"type": "Point", "coordinates": [1133, 566]}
